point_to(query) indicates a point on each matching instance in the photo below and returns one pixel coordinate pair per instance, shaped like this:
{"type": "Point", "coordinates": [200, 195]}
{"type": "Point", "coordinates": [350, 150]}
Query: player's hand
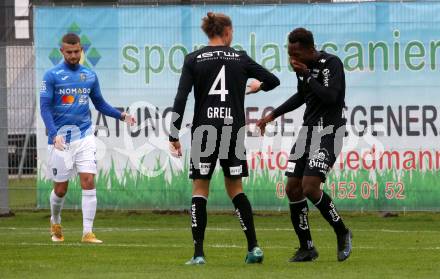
{"type": "Point", "coordinates": [59, 143]}
{"type": "Point", "coordinates": [253, 87]}
{"type": "Point", "coordinates": [175, 149]}
{"type": "Point", "coordinates": [129, 119]}
{"type": "Point", "coordinates": [261, 124]}
{"type": "Point", "coordinates": [299, 67]}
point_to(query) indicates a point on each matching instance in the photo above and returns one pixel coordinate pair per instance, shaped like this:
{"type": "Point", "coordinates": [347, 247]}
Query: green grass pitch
{"type": "Point", "coordinates": [147, 245]}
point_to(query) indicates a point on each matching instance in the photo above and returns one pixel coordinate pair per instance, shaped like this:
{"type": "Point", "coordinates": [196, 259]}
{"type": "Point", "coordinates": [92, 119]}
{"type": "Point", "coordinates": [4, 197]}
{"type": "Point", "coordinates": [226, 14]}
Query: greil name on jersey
{"type": "Point", "coordinates": [219, 112]}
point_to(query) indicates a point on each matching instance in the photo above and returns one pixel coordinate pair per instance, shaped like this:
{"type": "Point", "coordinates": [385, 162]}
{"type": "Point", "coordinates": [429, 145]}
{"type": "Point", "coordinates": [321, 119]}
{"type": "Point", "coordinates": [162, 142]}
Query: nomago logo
{"type": "Point", "coordinates": [90, 55]}
{"type": "Point", "coordinates": [68, 91]}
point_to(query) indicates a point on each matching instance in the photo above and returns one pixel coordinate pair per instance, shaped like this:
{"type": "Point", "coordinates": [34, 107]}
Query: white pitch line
{"type": "Point", "coordinates": [116, 229]}
{"type": "Point", "coordinates": [221, 246]}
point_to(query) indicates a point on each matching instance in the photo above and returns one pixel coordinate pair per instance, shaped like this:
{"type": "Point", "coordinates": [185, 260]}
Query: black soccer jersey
{"type": "Point", "coordinates": [219, 75]}
{"type": "Point", "coordinates": [323, 92]}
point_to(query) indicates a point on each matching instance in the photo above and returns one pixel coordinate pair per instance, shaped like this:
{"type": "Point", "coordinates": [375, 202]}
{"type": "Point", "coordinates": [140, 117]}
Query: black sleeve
{"type": "Point", "coordinates": [292, 103]}
{"type": "Point", "coordinates": [255, 70]}
{"type": "Point", "coordinates": [185, 87]}
{"type": "Point", "coordinates": [333, 74]}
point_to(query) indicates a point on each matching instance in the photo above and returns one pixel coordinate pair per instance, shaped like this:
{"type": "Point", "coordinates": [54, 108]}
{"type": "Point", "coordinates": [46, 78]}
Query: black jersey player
{"type": "Point", "coordinates": [219, 75]}
{"type": "Point", "coordinates": [321, 86]}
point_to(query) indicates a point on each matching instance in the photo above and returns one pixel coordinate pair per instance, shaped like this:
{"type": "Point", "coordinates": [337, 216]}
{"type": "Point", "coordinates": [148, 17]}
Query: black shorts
{"type": "Point", "coordinates": [229, 150]}
{"type": "Point", "coordinates": [314, 156]}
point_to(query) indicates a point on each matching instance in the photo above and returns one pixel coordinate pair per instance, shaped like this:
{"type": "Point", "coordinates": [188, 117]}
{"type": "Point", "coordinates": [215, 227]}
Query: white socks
{"type": "Point", "coordinates": [56, 204]}
{"type": "Point", "coordinates": [88, 209]}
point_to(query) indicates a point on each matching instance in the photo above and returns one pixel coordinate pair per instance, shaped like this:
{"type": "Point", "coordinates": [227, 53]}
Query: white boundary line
{"type": "Point", "coordinates": [221, 246]}
{"type": "Point", "coordinates": [121, 229]}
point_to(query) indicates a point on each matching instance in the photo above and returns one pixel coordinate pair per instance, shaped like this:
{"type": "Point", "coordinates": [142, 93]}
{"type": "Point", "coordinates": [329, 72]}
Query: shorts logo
{"type": "Point", "coordinates": [235, 170]}
{"type": "Point", "coordinates": [320, 160]}
{"type": "Point", "coordinates": [204, 168]}
{"type": "Point", "coordinates": [290, 167]}
{"type": "Point", "coordinates": [54, 171]}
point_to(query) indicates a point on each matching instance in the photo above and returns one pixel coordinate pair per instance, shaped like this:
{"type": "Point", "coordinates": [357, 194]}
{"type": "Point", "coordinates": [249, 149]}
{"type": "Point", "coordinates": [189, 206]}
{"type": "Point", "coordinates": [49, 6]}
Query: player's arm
{"type": "Point", "coordinates": [329, 91]}
{"type": "Point", "coordinates": [47, 92]}
{"type": "Point", "coordinates": [264, 80]}
{"type": "Point", "coordinates": [185, 86]}
{"type": "Point", "coordinates": [102, 106]}
{"type": "Point", "coordinates": [290, 104]}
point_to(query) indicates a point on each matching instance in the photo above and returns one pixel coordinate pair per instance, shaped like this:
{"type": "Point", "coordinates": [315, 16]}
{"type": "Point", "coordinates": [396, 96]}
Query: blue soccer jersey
{"type": "Point", "coordinates": [64, 101]}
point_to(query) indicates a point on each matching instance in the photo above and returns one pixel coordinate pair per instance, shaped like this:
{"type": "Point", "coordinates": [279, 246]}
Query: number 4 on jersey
{"type": "Point", "coordinates": [222, 91]}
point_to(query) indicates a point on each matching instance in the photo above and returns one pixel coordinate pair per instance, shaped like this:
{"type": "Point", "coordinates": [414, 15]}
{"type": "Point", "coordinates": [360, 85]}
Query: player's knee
{"type": "Point", "coordinates": [311, 188]}
{"type": "Point", "coordinates": [294, 188]}
{"type": "Point", "coordinates": [60, 192]}
{"type": "Point", "coordinates": [307, 190]}
{"type": "Point", "coordinates": [88, 183]}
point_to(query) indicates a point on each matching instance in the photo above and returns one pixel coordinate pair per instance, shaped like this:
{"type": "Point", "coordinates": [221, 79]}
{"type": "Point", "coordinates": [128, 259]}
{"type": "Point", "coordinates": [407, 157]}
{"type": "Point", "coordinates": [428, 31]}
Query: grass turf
{"type": "Point", "coordinates": [147, 245]}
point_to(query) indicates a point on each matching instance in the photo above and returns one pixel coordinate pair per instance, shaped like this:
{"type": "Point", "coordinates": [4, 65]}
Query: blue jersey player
{"type": "Point", "coordinates": [64, 103]}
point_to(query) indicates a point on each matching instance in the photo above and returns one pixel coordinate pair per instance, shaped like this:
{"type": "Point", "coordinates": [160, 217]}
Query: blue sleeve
{"type": "Point", "coordinates": [100, 104]}
{"type": "Point", "coordinates": [46, 104]}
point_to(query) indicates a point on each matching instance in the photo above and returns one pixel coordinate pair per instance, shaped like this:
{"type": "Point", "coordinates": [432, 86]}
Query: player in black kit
{"type": "Point", "coordinates": [321, 86]}
{"type": "Point", "coordinates": [219, 75]}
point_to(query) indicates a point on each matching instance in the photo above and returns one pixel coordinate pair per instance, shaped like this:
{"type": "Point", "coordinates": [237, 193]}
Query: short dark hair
{"type": "Point", "coordinates": [71, 39]}
{"type": "Point", "coordinates": [213, 24]}
{"type": "Point", "coordinates": [302, 36]}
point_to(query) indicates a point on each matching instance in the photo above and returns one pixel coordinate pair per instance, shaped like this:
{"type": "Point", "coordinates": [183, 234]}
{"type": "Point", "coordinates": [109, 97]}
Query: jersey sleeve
{"type": "Point", "coordinates": [333, 74]}
{"type": "Point", "coordinates": [46, 104]}
{"type": "Point", "coordinates": [100, 104]}
{"type": "Point", "coordinates": [185, 86]}
{"type": "Point", "coordinates": [255, 70]}
{"type": "Point", "coordinates": [290, 104]}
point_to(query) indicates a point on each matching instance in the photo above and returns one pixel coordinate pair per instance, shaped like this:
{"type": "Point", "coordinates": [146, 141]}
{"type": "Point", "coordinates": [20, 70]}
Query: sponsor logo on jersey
{"type": "Point", "coordinates": [326, 74]}
{"type": "Point", "coordinates": [64, 77]}
{"type": "Point", "coordinates": [83, 99]}
{"type": "Point", "coordinates": [43, 86]}
{"type": "Point", "coordinates": [73, 91]}
{"type": "Point", "coordinates": [218, 53]}
{"type": "Point", "coordinates": [322, 61]}
{"type": "Point", "coordinates": [67, 99]}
